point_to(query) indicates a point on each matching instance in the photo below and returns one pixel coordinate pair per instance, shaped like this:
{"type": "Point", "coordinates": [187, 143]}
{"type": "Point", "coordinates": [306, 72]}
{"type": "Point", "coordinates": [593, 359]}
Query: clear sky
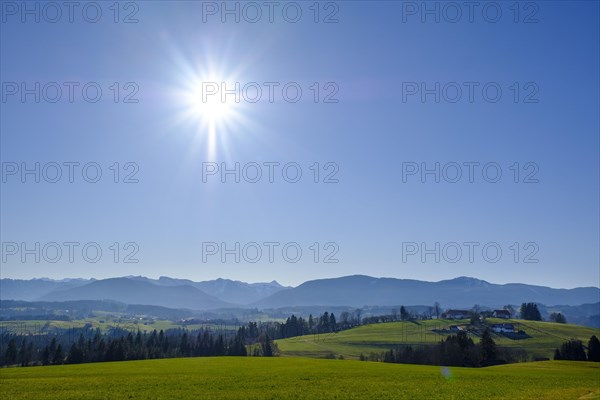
{"type": "Point", "coordinates": [376, 61]}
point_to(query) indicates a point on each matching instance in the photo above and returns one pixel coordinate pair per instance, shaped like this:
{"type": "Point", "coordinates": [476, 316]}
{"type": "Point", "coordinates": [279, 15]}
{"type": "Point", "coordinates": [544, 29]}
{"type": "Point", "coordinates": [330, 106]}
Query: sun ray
{"type": "Point", "coordinates": [215, 118]}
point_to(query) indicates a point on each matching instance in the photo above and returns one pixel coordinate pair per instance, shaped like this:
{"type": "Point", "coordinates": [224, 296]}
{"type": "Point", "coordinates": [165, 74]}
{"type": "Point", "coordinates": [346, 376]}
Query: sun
{"type": "Point", "coordinates": [213, 110]}
{"type": "Point", "coordinates": [209, 104]}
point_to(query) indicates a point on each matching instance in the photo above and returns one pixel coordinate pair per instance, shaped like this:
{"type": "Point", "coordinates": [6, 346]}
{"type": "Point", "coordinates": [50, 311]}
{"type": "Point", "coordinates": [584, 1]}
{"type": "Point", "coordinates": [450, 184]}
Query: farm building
{"type": "Point", "coordinates": [504, 314]}
{"type": "Point", "coordinates": [455, 328]}
{"type": "Point", "coordinates": [503, 328]}
{"type": "Point", "coordinates": [456, 314]}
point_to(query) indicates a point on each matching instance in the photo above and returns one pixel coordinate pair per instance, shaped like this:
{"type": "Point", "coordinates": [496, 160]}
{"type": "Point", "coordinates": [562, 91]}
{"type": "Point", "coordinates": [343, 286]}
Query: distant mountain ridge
{"type": "Point", "coordinates": [219, 293]}
{"type": "Point", "coordinates": [234, 292]}
{"type": "Point", "coordinates": [34, 289]}
{"type": "Point", "coordinates": [350, 291]}
{"type": "Point", "coordinates": [361, 290]}
{"type": "Point", "coordinates": [133, 291]}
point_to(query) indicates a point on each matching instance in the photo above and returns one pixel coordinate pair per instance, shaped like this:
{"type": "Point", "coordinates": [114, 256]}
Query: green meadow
{"type": "Point", "coordinates": [299, 378]}
{"type": "Point", "coordinates": [302, 372]}
{"type": "Point", "coordinates": [544, 338]}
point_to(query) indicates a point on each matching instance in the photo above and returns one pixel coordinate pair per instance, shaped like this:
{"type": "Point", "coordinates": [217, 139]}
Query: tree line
{"type": "Point", "coordinates": [574, 350]}
{"type": "Point", "coordinates": [455, 350]}
{"type": "Point", "coordinates": [132, 346]}
{"type": "Point", "coordinates": [84, 345]}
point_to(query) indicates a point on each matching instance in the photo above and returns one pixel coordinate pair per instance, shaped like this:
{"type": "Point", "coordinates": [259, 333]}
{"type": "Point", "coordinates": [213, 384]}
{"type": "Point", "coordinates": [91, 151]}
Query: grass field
{"type": "Point", "coordinates": [298, 378]}
{"type": "Point", "coordinates": [545, 337]}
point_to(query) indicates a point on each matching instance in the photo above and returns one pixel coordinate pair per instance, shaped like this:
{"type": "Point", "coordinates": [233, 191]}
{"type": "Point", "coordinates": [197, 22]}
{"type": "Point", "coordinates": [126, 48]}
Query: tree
{"type": "Point", "coordinates": [59, 356]}
{"type": "Point", "coordinates": [530, 312]}
{"type": "Point", "coordinates": [75, 355]}
{"type": "Point", "coordinates": [437, 309]}
{"type": "Point", "coordinates": [345, 319]}
{"type": "Point", "coordinates": [572, 350]}
{"type": "Point", "coordinates": [557, 355]}
{"type": "Point", "coordinates": [52, 348]}
{"type": "Point", "coordinates": [184, 346]}
{"type": "Point", "coordinates": [332, 322]}
{"type": "Point", "coordinates": [23, 359]}
{"type": "Point", "coordinates": [463, 340]}
{"type": "Point", "coordinates": [455, 350]}
{"type": "Point", "coordinates": [558, 318]}
{"type": "Point", "coordinates": [594, 349]}
{"type": "Point", "coordinates": [237, 347]}
{"type": "Point", "coordinates": [324, 322]}
{"type": "Point", "coordinates": [25, 353]}
{"type": "Point", "coordinates": [267, 348]}
{"type": "Point", "coordinates": [488, 347]}
{"type": "Point", "coordinates": [358, 313]}
{"type": "Point", "coordinates": [389, 357]}
{"type": "Point", "coordinates": [219, 349]}
{"type": "Point", "coordinates": [11, 352]}
{"type": "Point", "coordinates": [46, 356]}
{"type": "Point", "coordinates": [403, 313]}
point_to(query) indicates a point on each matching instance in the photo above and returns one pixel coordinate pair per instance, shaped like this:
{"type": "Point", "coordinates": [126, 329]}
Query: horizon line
{"type": "Point", "coordinates": [295, 286]}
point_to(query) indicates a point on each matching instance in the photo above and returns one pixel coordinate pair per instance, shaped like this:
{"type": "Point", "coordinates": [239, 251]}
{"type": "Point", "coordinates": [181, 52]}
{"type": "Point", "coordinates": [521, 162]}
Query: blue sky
{"type": "Point", "coordinates": [370, 54]}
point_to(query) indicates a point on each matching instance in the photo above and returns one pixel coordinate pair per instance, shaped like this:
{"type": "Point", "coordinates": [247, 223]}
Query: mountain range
{"type": "Point", "coordinates": [360, 290]}
{"type": "Point", "coordinates": [349, 291]}
{"type": "Point", "coordinates": [165, 291]}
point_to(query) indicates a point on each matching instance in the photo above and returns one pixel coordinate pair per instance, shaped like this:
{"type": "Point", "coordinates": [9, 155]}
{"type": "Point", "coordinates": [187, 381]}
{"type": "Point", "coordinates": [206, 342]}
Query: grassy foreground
{"type": "Point", "coordinates": [298, 378]}
{"type": "Point", "coordinates": [545, 337]}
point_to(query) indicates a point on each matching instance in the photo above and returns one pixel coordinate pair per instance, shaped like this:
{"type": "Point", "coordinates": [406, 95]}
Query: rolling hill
{"type": "Point", "coordinates": [544, 338]}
